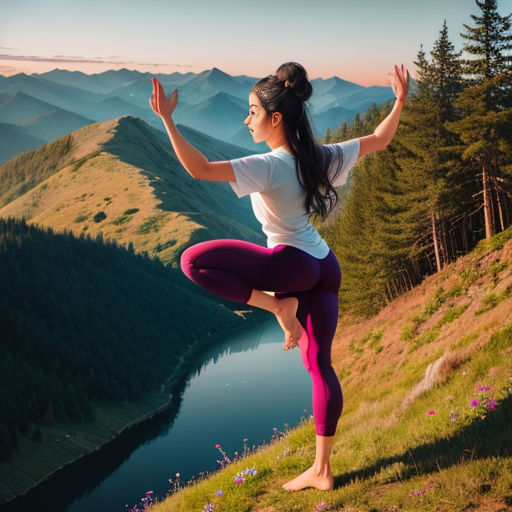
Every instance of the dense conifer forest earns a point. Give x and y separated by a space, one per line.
445 180
84 318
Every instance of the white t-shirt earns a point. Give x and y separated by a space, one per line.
277 196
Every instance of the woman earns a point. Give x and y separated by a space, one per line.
286 185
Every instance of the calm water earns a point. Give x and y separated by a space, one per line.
242 388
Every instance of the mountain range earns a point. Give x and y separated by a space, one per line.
39 108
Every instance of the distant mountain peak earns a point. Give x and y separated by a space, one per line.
218 72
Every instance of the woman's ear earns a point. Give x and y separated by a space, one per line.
276 118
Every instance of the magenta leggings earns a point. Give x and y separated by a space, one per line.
232 268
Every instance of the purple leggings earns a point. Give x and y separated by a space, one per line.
232 268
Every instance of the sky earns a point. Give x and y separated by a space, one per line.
356 40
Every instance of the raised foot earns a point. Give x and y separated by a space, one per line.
286 316
311 478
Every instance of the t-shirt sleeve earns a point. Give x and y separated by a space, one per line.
252 173
346 152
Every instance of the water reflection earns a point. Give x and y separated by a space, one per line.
242 386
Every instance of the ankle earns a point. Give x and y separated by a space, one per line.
322 469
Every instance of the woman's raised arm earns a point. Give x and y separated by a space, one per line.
191 158
386 130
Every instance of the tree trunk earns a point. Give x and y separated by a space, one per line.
435 240
488 214
500 210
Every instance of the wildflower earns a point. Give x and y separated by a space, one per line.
217 446
321 507
149 493
219 492
423 491
430 413
483 388
453 415
209 507
239 479
474 403
492 404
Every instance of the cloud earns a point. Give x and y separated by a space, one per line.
69 57
95 60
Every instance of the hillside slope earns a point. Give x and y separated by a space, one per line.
122 178
427 414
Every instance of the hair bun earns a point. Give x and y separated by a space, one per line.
297 78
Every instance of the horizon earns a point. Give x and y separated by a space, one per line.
170 73
358 42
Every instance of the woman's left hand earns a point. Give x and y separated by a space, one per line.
399 82
160 104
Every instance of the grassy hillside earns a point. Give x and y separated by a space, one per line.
122 178
427 418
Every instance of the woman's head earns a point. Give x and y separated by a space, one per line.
276 104
278 115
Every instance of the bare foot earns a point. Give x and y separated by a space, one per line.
288 321
322 480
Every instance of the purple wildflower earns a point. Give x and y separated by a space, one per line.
423 491
209 507
474 403
321 507
219 492
430 413
492 404
483 388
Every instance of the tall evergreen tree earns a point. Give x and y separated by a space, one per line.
424 155
446 73
490 40
485 107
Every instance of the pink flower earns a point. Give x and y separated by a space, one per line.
430 413
424 490
474 403
492 404
483 388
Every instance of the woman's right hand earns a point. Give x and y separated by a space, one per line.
399 81
160 104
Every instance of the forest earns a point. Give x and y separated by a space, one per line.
445 180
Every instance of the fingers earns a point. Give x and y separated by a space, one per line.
152 101
158 91
400 72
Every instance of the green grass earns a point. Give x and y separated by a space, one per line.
495 268
493 299
153 223
122 219
381 456
465 340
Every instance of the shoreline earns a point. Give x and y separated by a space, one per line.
179 372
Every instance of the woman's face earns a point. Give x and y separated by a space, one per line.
258 121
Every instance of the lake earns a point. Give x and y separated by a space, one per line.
245 387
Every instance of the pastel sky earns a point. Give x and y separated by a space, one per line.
357 40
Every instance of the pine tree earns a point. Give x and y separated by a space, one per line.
490 40
423 71
485 107
487 137
446 73
424 155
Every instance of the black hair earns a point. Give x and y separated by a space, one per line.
311 163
